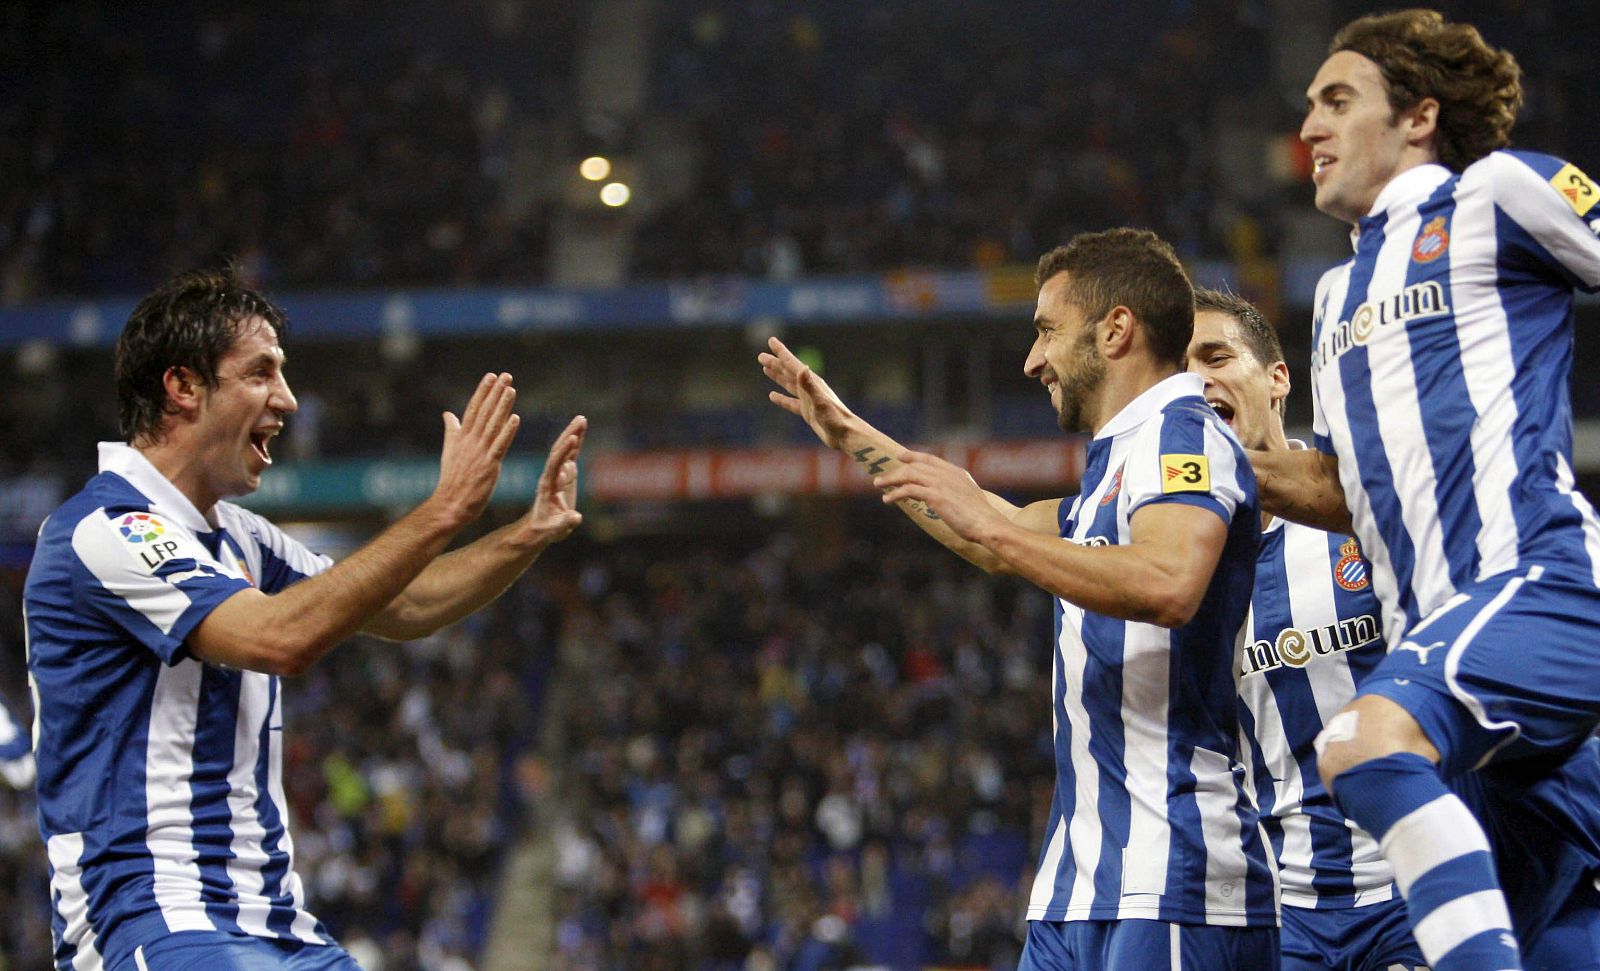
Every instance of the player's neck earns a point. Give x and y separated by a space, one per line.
1125 381
1274 441
184 467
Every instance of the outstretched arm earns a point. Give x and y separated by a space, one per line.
461 581
1159 577
283 633
1302 486
809 397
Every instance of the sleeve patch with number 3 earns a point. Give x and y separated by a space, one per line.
1576 188
1185 473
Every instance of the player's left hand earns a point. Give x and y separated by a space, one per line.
944 488
555 503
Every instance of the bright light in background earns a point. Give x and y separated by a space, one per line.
594 168
615 194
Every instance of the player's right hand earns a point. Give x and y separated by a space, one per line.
809 396
474 446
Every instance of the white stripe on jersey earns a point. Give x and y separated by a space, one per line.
72 901
169 766
1328 399
1146 693
1217 801
1485 336
1591 522
1083 833
250 859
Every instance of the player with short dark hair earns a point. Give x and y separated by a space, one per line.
1153 856
160 617
1441 354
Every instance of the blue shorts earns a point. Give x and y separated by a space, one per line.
1146 945
1508 668
218 951
1376 937
1570 942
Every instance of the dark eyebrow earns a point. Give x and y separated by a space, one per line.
1207 347
1331 89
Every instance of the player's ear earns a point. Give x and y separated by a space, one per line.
1116 332
184 390
1422 122
1279 374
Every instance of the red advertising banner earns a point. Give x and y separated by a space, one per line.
1045 464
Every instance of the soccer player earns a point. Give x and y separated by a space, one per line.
1441 356
16 752
1154 856
1313 634
160 618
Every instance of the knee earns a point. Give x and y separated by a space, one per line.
1368 728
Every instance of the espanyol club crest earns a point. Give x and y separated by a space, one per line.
1351 570
141 527
1432 242
1116 487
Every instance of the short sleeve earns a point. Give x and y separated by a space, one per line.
151 577
1187 458
1555 204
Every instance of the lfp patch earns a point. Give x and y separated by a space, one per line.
1351 570
141 527
1576 188
1432 243
1185 473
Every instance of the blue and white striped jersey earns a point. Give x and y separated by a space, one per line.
1314 634
160 784
1151 816
1439 371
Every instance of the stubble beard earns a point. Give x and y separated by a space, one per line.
1089 370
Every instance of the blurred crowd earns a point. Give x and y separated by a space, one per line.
801 757
319 144
837 137
410 772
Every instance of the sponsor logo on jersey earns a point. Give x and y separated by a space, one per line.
141 527
1432 242
1576 188
1351 570
1185 473
1116 487
1420 301
1296 648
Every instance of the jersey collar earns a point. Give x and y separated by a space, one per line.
130 463
1151 401
1409 187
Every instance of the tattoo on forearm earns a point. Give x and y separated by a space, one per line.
865 457
874 463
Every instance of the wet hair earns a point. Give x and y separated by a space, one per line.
1421 55
190 322
1131 268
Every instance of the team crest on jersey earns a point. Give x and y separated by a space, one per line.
1432 242
141 527
1116 487
1351 570
1185 473
1576 188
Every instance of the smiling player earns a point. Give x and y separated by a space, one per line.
1443 430
160 616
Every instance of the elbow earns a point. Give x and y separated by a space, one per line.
1173 609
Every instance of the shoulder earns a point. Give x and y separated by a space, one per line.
1525 177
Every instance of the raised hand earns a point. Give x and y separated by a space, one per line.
808 395
474 446
555 514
